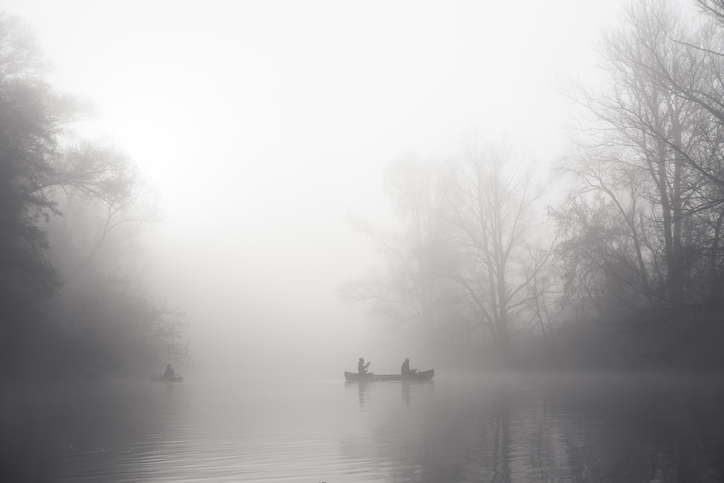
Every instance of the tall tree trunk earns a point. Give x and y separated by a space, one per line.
677 268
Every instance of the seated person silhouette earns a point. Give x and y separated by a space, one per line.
169 372
405 370
362 367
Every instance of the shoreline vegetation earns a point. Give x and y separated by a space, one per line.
622 268
486 268
73 302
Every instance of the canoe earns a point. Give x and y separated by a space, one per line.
160 378
415 376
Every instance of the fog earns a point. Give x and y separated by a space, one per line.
265 125
211 211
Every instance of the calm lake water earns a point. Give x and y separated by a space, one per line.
494 429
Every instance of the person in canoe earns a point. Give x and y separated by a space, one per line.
362 367
405 370
169 372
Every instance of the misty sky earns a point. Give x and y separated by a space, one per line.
262 124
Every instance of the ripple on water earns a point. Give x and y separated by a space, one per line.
494 429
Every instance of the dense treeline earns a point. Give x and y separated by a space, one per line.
628 269
71 297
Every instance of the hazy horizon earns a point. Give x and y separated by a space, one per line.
264 124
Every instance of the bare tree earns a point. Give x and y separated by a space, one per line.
410 287
643 218
648 154
493 203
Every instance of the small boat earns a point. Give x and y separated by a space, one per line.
161 378
413 376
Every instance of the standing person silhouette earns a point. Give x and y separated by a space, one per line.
362 367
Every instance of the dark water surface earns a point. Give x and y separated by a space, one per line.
495 429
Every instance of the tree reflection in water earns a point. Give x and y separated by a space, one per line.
504 429
492 429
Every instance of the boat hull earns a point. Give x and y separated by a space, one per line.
167 379
417 376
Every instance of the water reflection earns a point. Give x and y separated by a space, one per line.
81 429
552 429
493 429
406 387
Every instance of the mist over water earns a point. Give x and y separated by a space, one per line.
523 428
524 198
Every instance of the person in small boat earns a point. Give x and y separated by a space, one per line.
362 367
405 370
169 372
